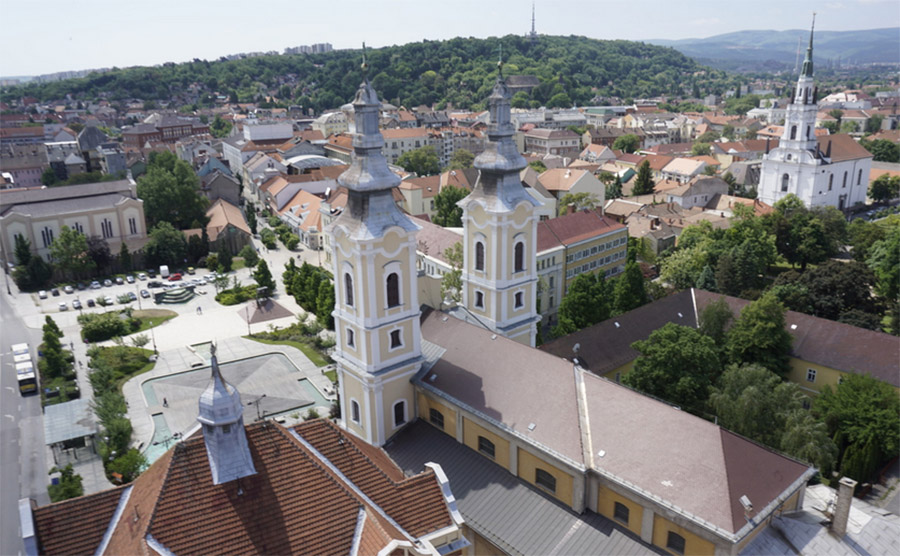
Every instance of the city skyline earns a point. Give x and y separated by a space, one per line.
179 32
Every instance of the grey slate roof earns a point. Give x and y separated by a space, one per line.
505 510
68 193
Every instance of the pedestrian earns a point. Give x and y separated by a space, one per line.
165 402
200 310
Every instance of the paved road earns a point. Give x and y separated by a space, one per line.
23 468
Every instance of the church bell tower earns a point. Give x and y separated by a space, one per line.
500 231
376 314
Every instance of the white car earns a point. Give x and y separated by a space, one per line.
42 294
142 276
63 306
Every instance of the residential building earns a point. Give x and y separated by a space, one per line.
302 214
419 193
218 185
562 181
331 123
25 163
683 170
109 210
697 192
227 227
165 128
400 141
551 141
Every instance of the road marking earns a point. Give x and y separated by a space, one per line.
10 417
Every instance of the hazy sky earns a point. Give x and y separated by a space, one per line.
45 36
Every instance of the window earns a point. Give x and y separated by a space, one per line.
132 226
519 300
545 479
551 282
354 411
479 255
845 180
519 257
620 513
348 289
396 340
808 134
785 180
479 300
47 236
226 429
806 404
810 375
351 340
79 228
859 178
793 132
830 181
551 301
436 418
675 543
486 447
399 413
393 289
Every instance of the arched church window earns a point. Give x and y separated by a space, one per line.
785 180
393 290
845 180
399 413
479 255
808 133
859 178
354 411
793 132
348 289
519 256
830 181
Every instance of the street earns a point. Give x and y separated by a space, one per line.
23 468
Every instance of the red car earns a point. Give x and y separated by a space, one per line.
175 277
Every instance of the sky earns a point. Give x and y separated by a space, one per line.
48 36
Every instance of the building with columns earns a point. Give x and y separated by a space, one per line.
821 171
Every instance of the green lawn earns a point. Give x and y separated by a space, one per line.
153 317
308 351
126 362
332 376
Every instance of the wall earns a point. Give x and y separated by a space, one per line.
471 432
606 502
693 544
426 404
528 463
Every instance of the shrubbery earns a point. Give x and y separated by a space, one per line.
267 236
97 327
237 295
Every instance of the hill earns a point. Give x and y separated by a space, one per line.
777 50
458 71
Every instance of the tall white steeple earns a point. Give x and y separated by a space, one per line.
221 414
376 302
500 231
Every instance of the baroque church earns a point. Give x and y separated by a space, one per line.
457 436
823 171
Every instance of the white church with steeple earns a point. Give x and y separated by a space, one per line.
829 170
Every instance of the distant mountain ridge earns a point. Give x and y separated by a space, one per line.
767 50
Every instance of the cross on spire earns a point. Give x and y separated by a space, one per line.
500 60
365 65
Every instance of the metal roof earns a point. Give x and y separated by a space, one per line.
506 510
69 420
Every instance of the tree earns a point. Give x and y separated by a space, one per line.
709 136
884 260
54 362
263 278
251 221
422 162
700 149
325 304
51 327
807 439
800 236
682 268
582 200
759 336
170 191
643 183
714 319
125 261
559 100
250 256
586 302
537 166
22 250
629 290
165 245
753 401
863 416
614 189
861 235
677 364
451 282
627 143
225 257
883 150
447 213
49 177
128 465
69 252
873 124
707 279
884 188
835 287
461 160
69 485
98 249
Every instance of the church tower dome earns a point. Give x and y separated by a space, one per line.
500 232
222 417
376 311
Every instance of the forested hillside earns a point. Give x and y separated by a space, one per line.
572 70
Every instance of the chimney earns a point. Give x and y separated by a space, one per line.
842 506
570 208
828 150
767 145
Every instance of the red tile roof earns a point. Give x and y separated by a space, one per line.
573 228
76 526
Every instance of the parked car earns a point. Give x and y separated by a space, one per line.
145 294
151 272
55 292
91 303
191 270
69 289
107 283
142 276
81 286
175 277
76 305
95 285
154 284
132 296
42 294
63 306
109 300
119 280
129 279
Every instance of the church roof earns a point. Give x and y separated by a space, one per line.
315 490
843 147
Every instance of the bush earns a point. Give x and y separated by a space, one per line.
97 327
291 241
267 236
212 261
237 295
273 221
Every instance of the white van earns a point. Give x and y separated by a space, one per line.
163 271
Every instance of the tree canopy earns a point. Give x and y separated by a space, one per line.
170 191
422 162
759 336
165 245
447 213
643 183
627 143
